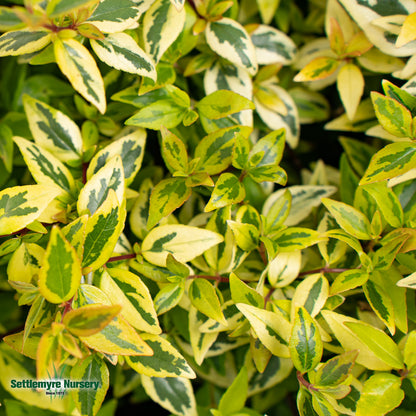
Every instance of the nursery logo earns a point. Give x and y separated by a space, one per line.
54 387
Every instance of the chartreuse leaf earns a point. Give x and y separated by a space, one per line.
393 160
272 328
304 403
381 394
400 95
162 24
53 130
175 394
350 84
168 297
319 68
322 406
44 166
20 42
235 396
223 103
228 190
120 51
349 219
230 40
91 370
167 195
350 279
78 65
409 353
336 370
90 319
215 151
30 346
126 289
60 275
379 342
182 241
130 147
102 232
166 361
204 297
331 250
392 115
25 263
381 303
97 188
305 343
140 211
242 293
350 341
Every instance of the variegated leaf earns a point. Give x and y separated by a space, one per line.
162 24
380 303
336 370
126 289
350 219
120 51
112 17
272 46
166 361
215 151
246 235
392 115
167 195
272 328
285 115
230 40
174 394
228 190
350 279
60 274
53 130
9 19
21 205
311 294
97 188
168 297
45 167
78 65
93 371
74 232
20 42
140 210
129 145
318 69
90 319
102 232
393 160
295 238
366 13
242 293
305 343
284 268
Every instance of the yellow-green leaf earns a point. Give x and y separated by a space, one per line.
20 42
60 274
408 31
90 319
350 84
319 68
182 241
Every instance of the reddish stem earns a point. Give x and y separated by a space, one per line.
217 278
269 295
22 232
123 257
304 382
84 172
324 270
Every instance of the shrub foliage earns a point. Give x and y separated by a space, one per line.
164 228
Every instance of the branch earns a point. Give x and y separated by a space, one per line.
326 270
217 278
122 257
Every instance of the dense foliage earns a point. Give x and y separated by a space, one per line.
178 223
